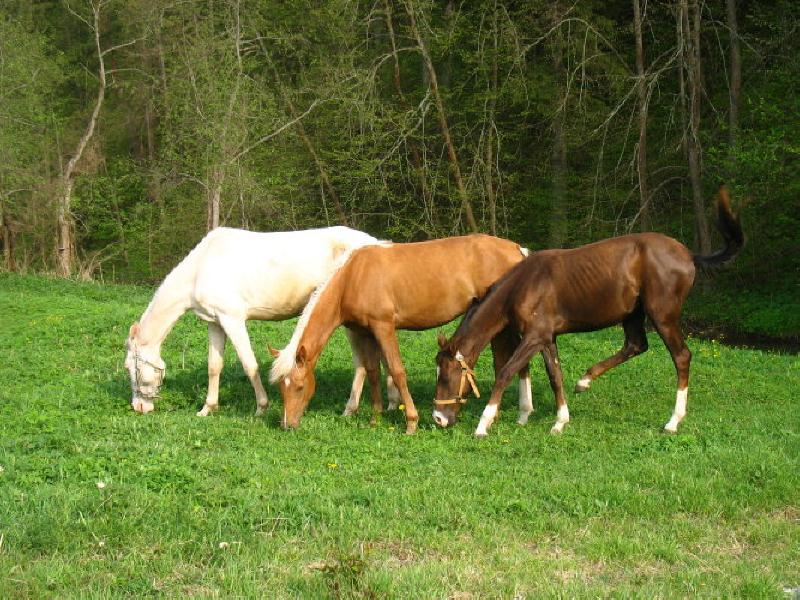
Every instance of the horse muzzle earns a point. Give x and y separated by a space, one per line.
142 406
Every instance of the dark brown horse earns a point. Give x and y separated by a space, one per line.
619 280
381 288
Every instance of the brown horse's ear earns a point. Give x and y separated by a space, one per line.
275 353
301 357
134 330
442 340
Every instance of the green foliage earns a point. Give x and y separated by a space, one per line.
96 500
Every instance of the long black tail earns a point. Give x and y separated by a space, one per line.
731 229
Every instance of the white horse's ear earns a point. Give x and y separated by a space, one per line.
134 330
274 351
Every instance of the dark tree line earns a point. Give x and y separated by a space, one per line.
128 129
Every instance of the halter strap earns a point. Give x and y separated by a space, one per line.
467 374
138 358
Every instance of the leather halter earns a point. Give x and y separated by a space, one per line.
467 374
138 358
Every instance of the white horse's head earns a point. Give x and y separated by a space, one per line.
146 370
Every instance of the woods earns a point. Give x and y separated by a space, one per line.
129 129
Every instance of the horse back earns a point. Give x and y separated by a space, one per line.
599 284
423 284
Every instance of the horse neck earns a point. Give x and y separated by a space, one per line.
170 301
322 321
477 330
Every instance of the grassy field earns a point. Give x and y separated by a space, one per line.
98 501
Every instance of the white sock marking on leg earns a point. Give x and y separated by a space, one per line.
562 418
584 383
487 418
679 412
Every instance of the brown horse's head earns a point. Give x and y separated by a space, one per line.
296 388
454 379
146 371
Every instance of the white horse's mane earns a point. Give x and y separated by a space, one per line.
285 361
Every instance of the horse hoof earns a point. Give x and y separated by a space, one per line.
348 412
481 435
556 430
411 428
260 411
522 420
669 431
582 385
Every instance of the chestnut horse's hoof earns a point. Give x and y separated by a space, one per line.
411 428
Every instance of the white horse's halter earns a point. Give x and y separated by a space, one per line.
138 358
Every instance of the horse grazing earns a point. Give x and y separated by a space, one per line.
232 276
379 289
619 280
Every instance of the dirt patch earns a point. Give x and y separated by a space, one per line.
741 339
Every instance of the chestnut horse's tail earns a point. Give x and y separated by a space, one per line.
731 229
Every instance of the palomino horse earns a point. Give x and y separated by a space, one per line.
379 289
229 277
619 280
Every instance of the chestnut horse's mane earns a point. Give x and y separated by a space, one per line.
285 361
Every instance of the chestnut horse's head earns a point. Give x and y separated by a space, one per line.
454 379
146 370
296 387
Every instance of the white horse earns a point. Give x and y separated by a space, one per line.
232 276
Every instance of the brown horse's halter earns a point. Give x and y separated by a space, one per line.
137 358
467 374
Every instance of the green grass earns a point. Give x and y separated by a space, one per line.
232 505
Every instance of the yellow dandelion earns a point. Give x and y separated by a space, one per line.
402 407
333 466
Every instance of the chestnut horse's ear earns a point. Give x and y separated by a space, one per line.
300 358
134 330
442 340
275 352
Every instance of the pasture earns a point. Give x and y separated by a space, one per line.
98 501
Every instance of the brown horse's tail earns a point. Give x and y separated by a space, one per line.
731 229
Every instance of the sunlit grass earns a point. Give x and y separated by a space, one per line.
98 500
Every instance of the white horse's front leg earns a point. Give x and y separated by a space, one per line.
237 332
216 350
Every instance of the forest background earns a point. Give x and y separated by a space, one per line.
129 129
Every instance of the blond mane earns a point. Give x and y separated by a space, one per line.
285 361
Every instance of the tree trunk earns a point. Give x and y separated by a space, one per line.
692 36
416 156
8 239
558 156
66 243
736 77
641 150
466 204
491 195
327 185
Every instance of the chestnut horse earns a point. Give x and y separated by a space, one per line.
379 289
619 280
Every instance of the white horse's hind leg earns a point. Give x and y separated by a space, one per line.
216 349
359 375
237 332
525 398
392 393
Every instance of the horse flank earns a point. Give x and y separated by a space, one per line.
285 361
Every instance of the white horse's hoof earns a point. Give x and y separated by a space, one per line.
349 412
261 410
481 434
206 410
523 420
557 429
670 430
